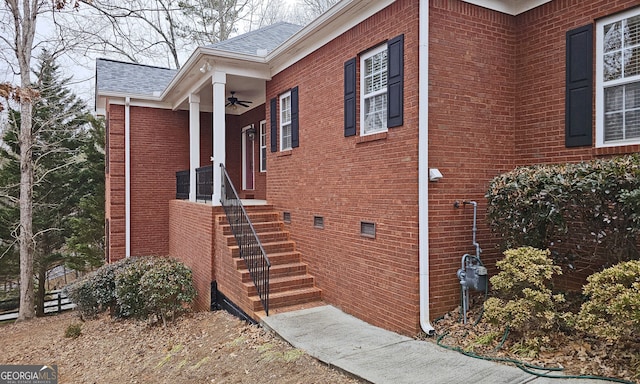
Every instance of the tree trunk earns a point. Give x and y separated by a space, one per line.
27 309
24 17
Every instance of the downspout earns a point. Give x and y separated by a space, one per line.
423 166
127 176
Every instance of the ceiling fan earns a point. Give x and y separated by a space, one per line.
233 101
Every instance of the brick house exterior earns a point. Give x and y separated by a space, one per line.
484 86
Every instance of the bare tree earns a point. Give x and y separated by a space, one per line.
210 21
308 10
317 7
136 30
18 20
266 12
153 31
22 17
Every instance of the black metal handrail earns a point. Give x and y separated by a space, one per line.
204 182
182 185
251 250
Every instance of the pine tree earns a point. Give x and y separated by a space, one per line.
61 154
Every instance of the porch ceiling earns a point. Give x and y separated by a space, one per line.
245 88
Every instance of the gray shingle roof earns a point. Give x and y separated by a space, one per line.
131 78
146 80
268 38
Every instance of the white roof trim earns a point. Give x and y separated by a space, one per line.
341 17
511 7
204 53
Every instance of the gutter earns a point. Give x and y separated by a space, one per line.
423 166
127 176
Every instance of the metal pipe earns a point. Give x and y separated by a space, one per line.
475 228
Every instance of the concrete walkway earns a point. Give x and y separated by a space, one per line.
380 356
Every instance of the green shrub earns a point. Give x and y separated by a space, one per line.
613 309
136 287
131 303
96 292
581 211
167 287
104 284
82 294
524 300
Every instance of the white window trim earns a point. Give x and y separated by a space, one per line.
363 57
283 122
600 83
263 145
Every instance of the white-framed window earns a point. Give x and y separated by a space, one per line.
285 121
618 79
263 146
373 91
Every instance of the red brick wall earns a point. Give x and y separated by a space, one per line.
159 148
114 184
472 73
540 113
191 240
346 182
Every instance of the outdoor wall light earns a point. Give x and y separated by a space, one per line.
251 133
434 174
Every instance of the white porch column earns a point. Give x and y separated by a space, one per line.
194 143
219 81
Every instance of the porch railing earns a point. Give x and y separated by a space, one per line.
182 185
251 250
204 183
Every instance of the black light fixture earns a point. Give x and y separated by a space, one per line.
251 132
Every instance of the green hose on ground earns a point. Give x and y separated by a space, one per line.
526 367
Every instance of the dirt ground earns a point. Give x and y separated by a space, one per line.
209 347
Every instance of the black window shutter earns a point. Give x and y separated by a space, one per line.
350 98
274 125
579 87
295 131
395 81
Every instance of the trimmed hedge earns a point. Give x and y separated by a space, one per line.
140 287
587 211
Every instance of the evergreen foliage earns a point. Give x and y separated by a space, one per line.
585 211
67 185
524 300
142 288
612 310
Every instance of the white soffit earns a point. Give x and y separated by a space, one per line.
511 7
